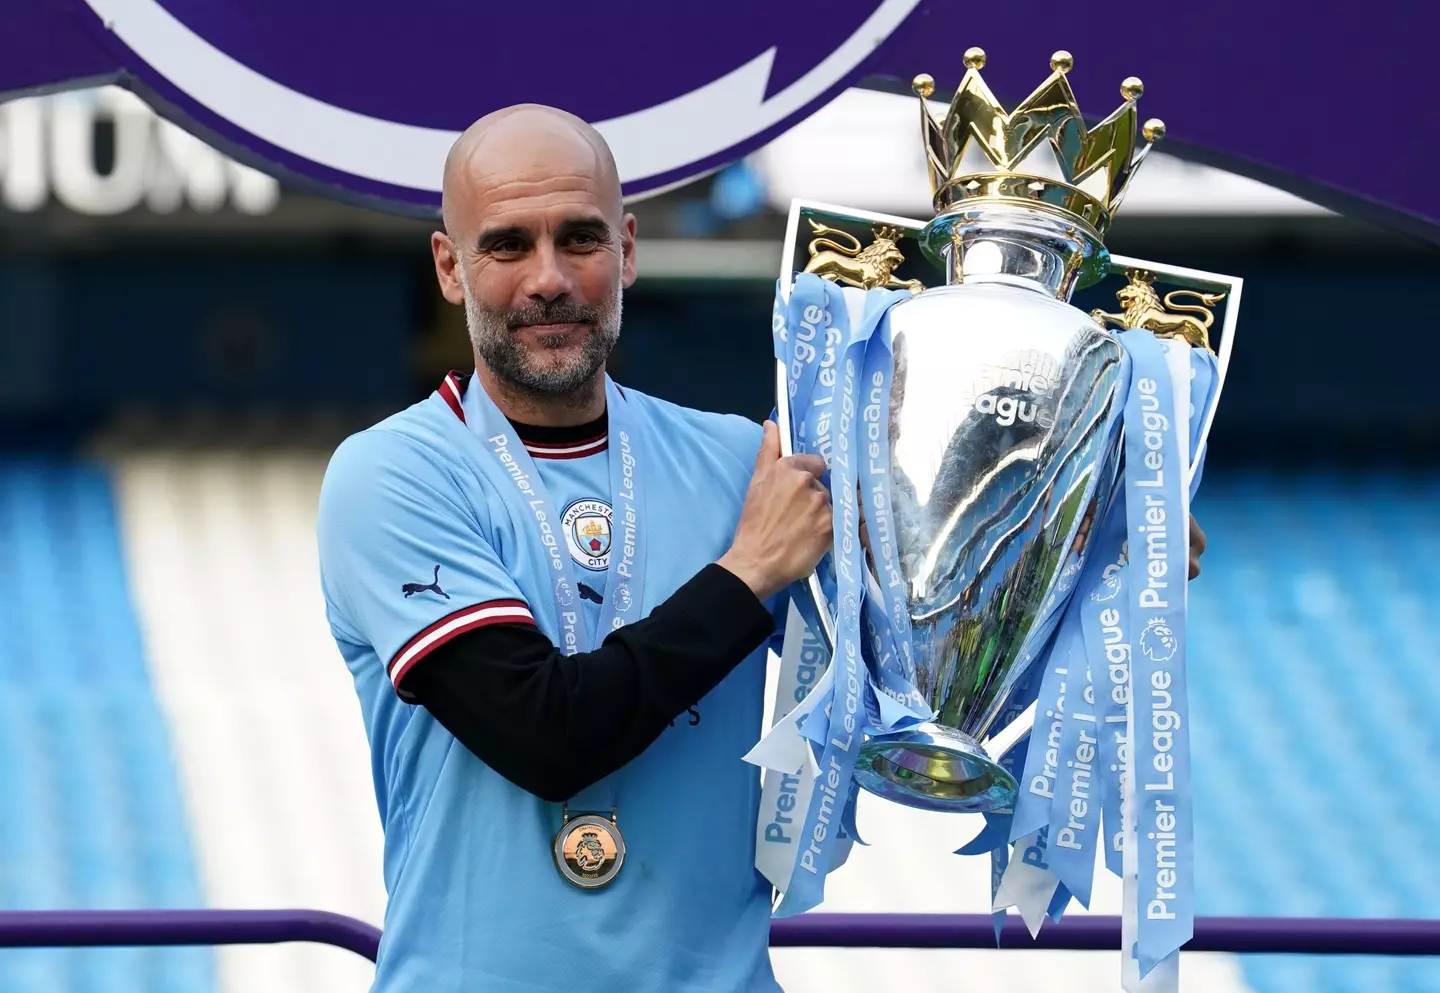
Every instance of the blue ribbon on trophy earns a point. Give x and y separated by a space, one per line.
1089 709
835 344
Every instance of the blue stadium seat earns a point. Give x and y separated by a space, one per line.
1315 695
93 815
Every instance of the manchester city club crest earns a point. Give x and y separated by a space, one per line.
587 533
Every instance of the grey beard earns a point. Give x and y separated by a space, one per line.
491 332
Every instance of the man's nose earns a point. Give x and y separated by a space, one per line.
547 277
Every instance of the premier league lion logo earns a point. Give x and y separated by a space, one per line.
564 595
589 855
1108 589
1157 642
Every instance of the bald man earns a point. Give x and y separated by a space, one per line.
555 595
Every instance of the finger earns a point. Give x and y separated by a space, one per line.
1194 567
1197 538
769 445
813 464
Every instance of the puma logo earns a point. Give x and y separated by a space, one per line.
586 593
410 589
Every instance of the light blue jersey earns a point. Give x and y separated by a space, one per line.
416 547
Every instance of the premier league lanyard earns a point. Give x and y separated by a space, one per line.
589 849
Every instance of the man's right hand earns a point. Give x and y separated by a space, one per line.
785 526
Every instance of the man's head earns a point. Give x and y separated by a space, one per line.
536 247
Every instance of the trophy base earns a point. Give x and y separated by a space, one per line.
931 767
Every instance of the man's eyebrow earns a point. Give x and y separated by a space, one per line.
589 225
490 237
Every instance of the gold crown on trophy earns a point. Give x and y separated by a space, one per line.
1039 154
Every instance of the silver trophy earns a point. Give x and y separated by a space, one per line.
1006 403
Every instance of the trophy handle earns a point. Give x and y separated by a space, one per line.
812 582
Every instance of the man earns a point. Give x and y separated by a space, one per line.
441 588
487 558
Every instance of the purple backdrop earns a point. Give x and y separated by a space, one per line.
1308 96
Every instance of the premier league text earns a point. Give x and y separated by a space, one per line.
811 321
1081 765
1043 783
1157 821
833 781
1117 662
569 619
628 522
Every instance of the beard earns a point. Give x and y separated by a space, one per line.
492 334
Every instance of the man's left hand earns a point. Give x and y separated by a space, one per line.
1197 546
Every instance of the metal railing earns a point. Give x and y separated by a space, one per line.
1306 935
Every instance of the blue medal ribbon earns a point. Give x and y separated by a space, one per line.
514 475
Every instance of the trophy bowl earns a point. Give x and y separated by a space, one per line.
1005 429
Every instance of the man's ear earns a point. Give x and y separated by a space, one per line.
448 269
627 248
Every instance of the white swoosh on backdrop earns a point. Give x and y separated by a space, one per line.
649 142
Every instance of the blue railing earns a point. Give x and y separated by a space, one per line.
1307 935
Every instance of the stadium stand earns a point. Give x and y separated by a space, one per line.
93 812
272 753
214 717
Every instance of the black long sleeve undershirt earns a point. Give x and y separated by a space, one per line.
554 724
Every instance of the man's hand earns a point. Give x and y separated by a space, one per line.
785 525
1197 546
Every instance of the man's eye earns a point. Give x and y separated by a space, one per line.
507 247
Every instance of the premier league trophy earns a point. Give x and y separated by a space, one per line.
984 436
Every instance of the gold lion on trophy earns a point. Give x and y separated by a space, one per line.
1144 309
869 268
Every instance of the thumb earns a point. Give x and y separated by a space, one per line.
769 446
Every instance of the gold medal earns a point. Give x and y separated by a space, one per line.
589 850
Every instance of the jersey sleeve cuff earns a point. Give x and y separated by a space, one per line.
452 626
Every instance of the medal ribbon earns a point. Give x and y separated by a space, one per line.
514 474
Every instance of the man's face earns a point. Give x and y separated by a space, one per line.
540 259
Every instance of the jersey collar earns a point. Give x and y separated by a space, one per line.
541 442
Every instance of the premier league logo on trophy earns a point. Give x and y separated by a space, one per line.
984 435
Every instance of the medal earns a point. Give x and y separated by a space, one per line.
589 850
